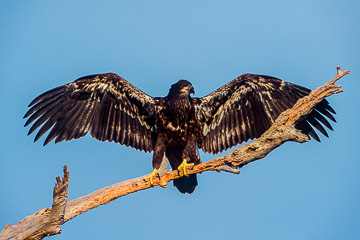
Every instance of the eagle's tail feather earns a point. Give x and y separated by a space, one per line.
186 184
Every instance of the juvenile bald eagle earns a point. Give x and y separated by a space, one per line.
175 126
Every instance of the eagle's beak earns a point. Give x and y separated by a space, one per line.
192 90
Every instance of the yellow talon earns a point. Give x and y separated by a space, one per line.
153 174
182 167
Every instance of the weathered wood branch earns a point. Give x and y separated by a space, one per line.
48 221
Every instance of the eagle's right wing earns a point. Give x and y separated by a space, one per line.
106 104
247 106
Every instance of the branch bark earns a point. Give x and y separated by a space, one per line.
48 221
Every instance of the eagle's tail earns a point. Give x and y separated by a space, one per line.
186 184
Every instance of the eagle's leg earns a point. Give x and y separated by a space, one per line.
190 154
158 161
153 174
182 167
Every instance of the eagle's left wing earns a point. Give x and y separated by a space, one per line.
105 104
246 107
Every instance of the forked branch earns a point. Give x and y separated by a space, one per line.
48 221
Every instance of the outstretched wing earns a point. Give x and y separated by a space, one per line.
106 104
246 107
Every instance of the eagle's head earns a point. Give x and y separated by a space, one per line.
182 88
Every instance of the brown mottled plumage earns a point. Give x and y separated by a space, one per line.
174 126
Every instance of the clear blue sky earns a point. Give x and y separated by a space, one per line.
299 191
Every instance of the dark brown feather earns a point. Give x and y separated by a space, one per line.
258 100
107 105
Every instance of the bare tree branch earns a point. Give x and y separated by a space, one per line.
48 221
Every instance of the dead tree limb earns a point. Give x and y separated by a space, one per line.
48 221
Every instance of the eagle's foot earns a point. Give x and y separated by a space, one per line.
150 177
182 167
